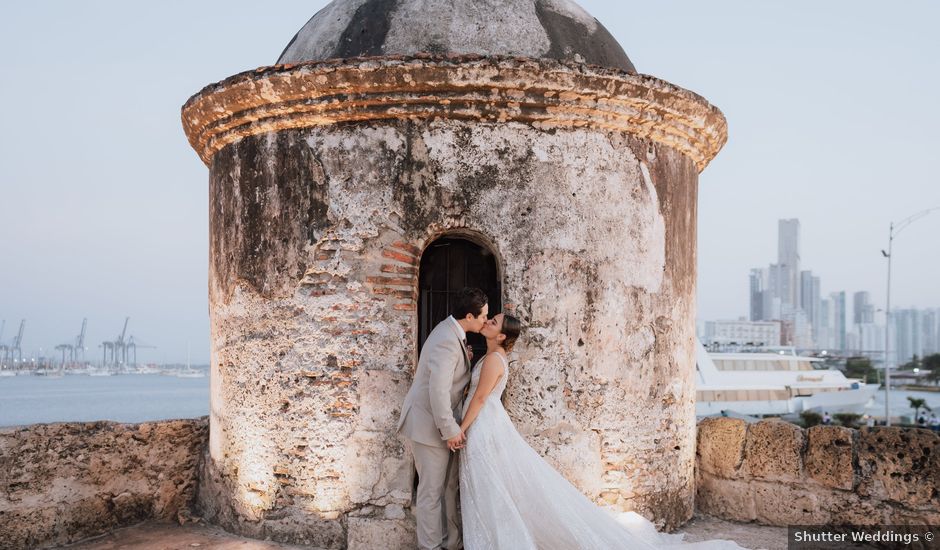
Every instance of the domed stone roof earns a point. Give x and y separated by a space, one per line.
556 29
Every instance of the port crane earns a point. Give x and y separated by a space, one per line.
76 348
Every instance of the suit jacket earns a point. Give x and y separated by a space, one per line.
432 406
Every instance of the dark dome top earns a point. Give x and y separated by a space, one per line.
556 29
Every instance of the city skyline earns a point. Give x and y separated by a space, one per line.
106 206
782 313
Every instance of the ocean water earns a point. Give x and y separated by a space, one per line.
121 397
142 397
899 404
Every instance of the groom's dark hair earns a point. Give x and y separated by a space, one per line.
468 300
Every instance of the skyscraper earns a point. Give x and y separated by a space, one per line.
758 281
863 311
824 339
931 329
838 313
810 301
788 258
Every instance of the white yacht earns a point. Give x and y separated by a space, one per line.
773 383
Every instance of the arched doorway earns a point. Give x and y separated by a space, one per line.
448 265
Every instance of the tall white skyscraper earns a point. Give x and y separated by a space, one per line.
931 330
863 311
824 337
871 340
758 284
810 300
838 314
788 258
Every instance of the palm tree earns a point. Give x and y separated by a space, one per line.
917 404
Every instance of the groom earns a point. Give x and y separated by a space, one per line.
430 414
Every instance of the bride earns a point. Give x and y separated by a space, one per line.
510 498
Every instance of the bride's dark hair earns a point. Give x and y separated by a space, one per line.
511 328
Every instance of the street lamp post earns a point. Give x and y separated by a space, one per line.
893 231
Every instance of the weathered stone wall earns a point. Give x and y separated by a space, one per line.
777 473
315 240
327 182
66 481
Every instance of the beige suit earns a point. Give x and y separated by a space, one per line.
429 417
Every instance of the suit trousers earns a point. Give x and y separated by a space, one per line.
436 503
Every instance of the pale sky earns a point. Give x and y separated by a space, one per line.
832 110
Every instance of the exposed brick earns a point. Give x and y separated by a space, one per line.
390 281
403 258
389 268
409 248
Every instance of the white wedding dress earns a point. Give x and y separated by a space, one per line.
511 499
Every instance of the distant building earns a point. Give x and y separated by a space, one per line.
810 302
825 325
871 340
758 284
931 331
742 332
838 317
863 311
796 330
788 260
907 339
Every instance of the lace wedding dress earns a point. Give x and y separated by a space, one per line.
511 499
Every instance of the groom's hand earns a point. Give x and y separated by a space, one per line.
457 442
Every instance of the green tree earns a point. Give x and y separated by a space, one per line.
932 364
811 418
849 420
860 367
917 404
912 364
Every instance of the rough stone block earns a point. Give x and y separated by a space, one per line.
781 504
381 394
376 468
829 459
851 509
726 499
391 534
720 446
773 450
67 481
899 464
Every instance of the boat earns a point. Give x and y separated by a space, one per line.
189 371
761 383
52 373
148 369
99 372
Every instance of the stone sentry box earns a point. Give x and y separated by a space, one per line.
518 125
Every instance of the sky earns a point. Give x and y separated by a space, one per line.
832 112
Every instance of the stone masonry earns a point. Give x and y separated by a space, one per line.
329 178
776 473
62 482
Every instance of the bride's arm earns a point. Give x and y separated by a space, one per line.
492 370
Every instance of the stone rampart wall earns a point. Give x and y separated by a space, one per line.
63 482
777 473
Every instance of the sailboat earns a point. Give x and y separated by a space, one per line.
189 371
